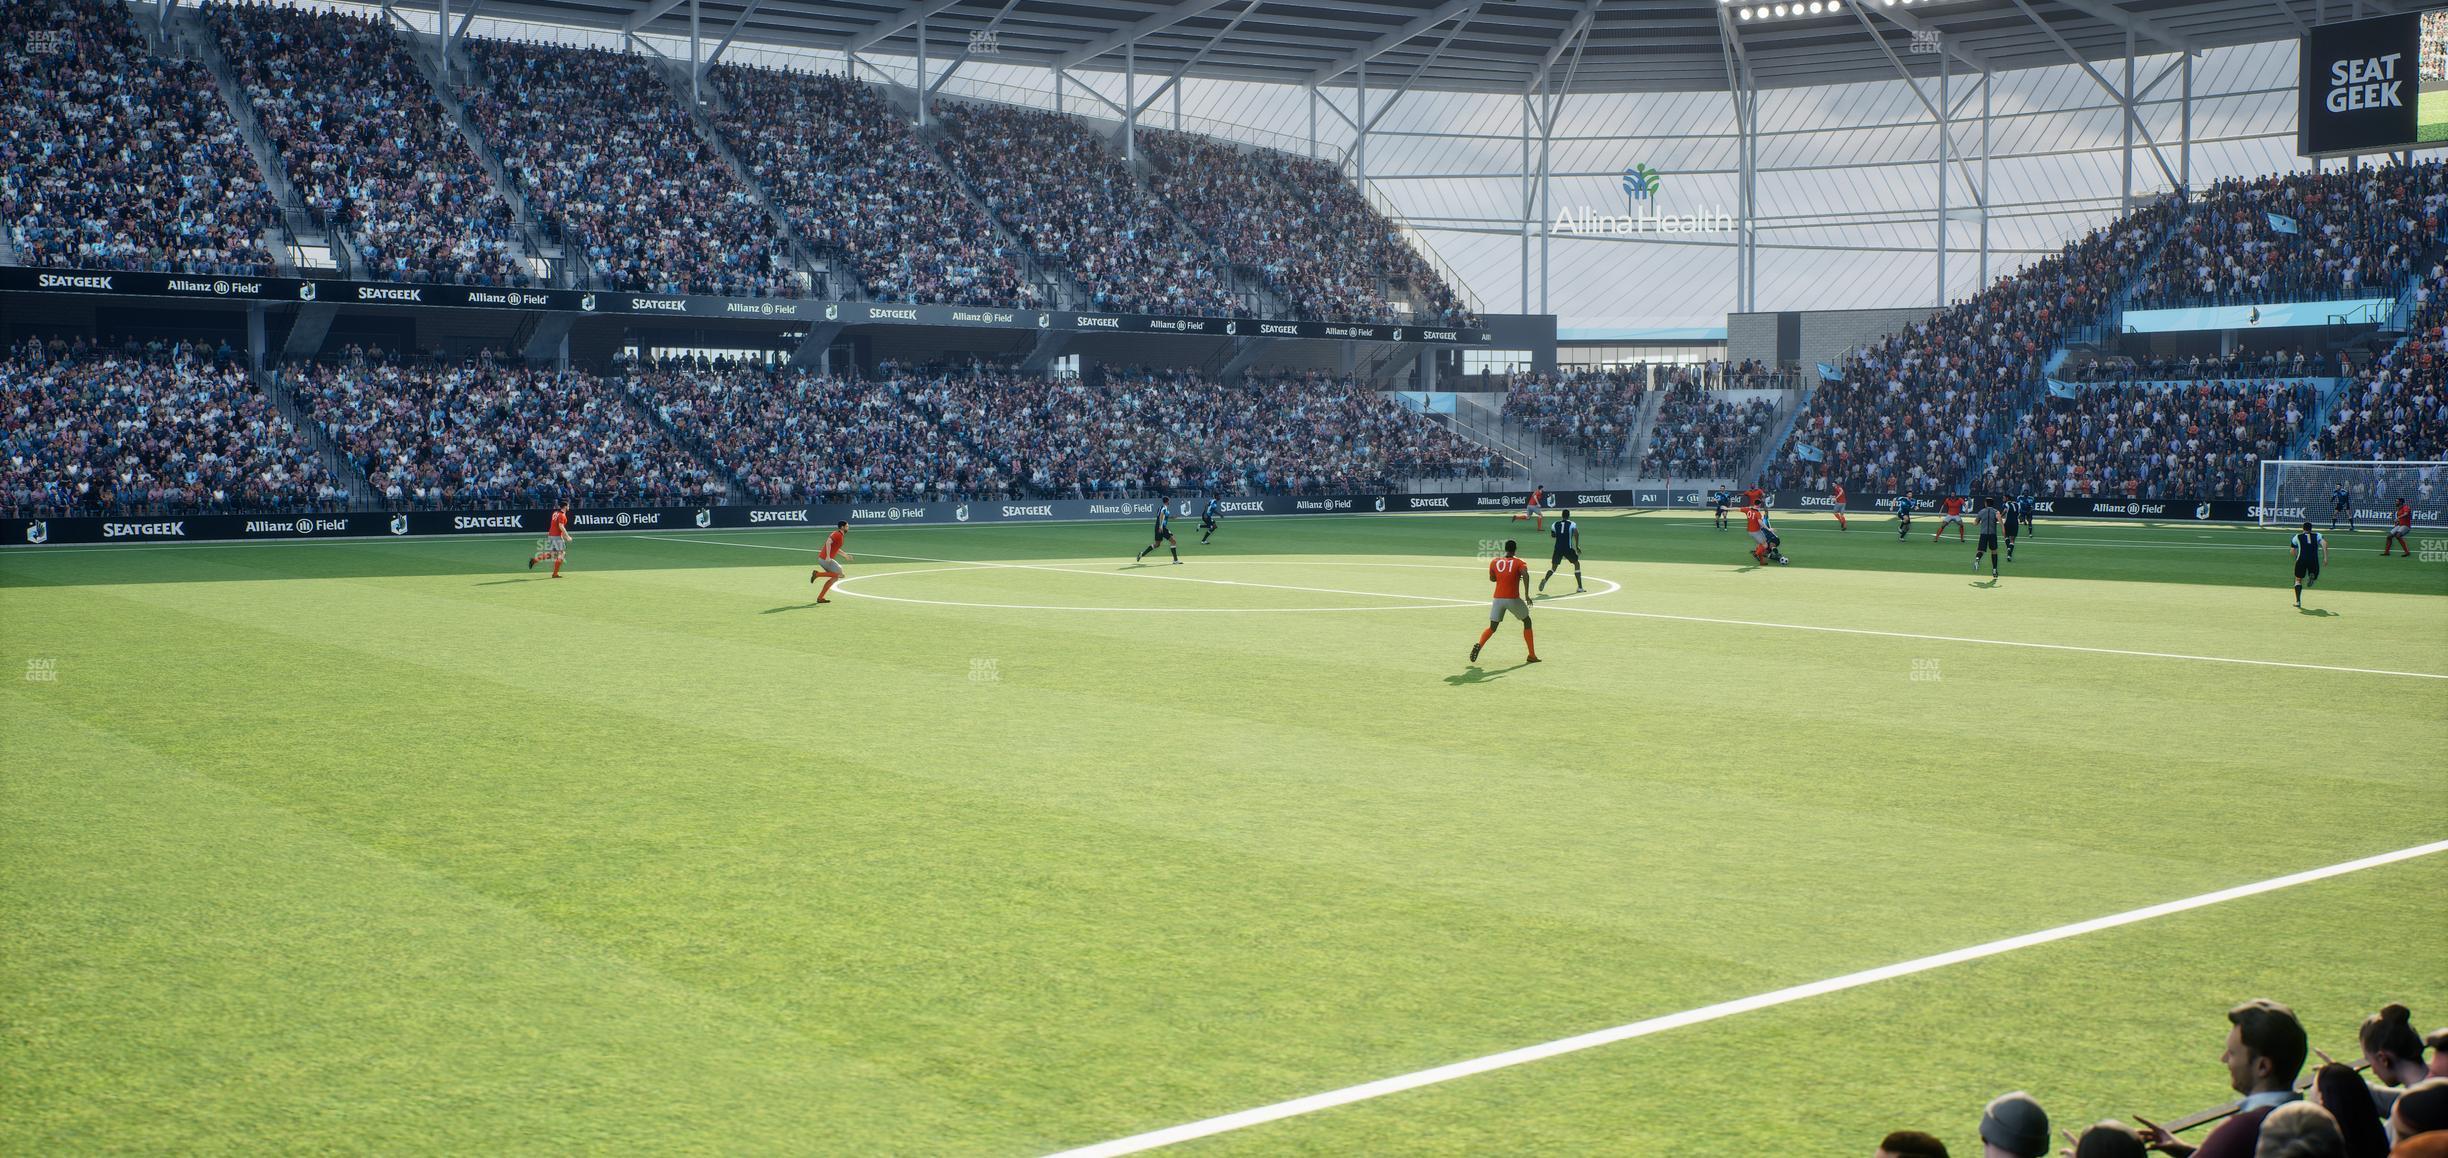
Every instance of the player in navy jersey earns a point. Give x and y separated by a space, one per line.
1207 520
2341 506
1164 533
1903 514
2310 551
1567 536
1722 500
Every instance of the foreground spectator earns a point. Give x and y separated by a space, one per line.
2266 1047
2300 1130
1910 1144
2110 1139
2421 1109
2361 1123
113 158
2014 1126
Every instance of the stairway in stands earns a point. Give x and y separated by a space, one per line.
188 38
1054 284
568 267
826 278
275 387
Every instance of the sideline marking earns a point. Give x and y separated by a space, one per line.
1496 1061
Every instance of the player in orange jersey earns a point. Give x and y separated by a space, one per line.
1531 509
1507 574
556 541
1764 541
1951 512
1836 500
830 559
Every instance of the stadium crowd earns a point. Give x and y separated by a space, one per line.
114 158
480 433
2204 440
1072 201
1702 433
2397 408
1918 411
1159 432
857 184
2196 368
2391 1103
365 143
2302 237
612 163
1239 200
147 429
1330 198
1592 412
792 435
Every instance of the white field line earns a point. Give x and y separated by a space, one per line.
1585 609
1445 1073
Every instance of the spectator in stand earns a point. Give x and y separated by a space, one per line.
2301 237
2361 1123
1321 254
1698 435
790 435
154 429
857 184
2266 1048
2437 1043
2110 1139
2421 1109
1918 411
366 144
2014 1126
2392 1051
2396 409
113 158
2143 442
1066 195
482 433
1910 1144
613 164
2196 368
1330 196
1592 412
2300 1130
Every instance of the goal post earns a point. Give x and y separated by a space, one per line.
2293 490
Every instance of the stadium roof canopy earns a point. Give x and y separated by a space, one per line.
1486 46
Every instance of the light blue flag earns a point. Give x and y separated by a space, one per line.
2283 223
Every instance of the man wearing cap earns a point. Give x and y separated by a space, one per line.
2014 1126
2265 1050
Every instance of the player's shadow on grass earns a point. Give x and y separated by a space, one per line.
1480 675
2316 612
787 607
514 579
1986 583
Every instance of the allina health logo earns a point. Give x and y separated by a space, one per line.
1642 213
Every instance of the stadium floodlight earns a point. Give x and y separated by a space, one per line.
2293 490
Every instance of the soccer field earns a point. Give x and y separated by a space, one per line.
1014 846
2431 115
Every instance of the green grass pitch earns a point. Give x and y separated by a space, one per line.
395 845
2431 114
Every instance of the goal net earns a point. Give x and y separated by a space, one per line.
2293 490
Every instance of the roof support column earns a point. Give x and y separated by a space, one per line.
1360 123
1988 81
1546 185
2128 98
1945 107
696 55
442 40
2184 144
1526 204
922 69
1130 102
1313 152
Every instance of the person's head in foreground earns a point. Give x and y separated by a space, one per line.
2110 1139
2300 1130
2422 1109
2014 1126
2391 1048
1910 1144
2337 1088
2265 1047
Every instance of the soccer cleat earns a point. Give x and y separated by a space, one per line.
1475 652
824 601
812 576
531 562
1532 659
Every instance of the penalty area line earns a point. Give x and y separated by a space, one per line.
1382 1087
